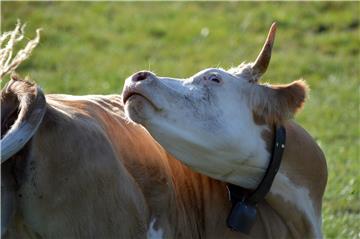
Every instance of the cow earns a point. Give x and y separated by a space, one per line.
77 167
221 123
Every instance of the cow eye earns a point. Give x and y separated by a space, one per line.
215 78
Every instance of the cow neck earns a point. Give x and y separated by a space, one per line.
243 212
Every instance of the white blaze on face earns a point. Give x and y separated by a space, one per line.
205 121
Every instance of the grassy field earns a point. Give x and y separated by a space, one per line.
93 47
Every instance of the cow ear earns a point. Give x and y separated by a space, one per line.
278 103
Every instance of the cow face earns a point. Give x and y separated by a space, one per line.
210 121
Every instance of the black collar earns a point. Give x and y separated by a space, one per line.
243 212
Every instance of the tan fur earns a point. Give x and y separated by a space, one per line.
29 101
90 173
13 93
305 165
277 103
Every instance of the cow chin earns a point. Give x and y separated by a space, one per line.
139 109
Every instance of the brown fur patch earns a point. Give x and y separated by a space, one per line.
292 96
275 104
267 134
268 137
258 119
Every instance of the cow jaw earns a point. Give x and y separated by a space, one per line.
199 125
137 107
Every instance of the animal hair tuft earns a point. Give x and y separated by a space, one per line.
9 62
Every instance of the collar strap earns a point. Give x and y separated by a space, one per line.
243 213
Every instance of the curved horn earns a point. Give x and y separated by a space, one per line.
32 107
262 61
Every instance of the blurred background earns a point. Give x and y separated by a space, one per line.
91 48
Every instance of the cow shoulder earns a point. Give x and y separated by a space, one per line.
75 179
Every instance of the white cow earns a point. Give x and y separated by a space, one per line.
220 123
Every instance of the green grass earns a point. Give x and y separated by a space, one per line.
93 47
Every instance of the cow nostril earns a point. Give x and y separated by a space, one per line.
140 76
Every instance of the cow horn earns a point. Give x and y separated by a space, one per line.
262 61
32 107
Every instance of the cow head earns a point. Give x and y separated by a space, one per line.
213 121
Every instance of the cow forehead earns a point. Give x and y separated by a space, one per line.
218 71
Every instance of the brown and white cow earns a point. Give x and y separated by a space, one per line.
75 167
220 123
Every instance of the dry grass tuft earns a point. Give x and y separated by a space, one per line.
8 63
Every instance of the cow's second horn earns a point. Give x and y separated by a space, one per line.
262 61
32 108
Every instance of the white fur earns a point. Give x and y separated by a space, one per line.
207 125
152 233
210 127
300 198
